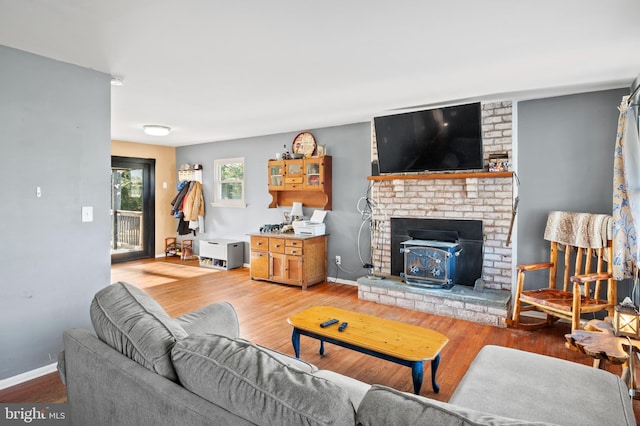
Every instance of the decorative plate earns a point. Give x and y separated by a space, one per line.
304 143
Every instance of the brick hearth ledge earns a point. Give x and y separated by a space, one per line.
488 306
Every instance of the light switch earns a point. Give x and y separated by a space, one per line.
38 192
87 214
164 185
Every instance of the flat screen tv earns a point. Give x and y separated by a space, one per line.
442 139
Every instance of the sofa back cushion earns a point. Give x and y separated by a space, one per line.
386 406
251 383
130 321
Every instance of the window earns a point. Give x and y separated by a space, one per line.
229 183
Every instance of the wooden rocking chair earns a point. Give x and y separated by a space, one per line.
586 241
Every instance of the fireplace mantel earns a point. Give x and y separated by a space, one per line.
465 175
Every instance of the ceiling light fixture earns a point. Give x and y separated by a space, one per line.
156 130
117 81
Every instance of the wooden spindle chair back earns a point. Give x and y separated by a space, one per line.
585 271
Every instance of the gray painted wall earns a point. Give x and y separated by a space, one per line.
565 162
350 148
55 133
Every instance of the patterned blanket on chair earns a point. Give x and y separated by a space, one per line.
585 230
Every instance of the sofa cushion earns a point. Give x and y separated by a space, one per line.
501 380
355 388
386 406
251 383
217 318
290 361
130 321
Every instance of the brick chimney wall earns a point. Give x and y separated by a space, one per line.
481 198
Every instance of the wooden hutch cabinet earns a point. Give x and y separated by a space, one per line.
306 180
289 259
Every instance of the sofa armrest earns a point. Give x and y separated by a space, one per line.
62 368
505 381
217 318
106 388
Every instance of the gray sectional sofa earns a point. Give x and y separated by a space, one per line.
144 368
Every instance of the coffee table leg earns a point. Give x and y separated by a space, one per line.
434 367
417 369
295 339
321 347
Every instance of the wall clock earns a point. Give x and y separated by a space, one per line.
304 143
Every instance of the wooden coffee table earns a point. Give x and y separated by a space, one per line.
405 344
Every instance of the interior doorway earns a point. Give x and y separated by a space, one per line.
132 208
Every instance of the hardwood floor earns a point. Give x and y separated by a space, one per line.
264 307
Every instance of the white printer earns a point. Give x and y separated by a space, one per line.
314 226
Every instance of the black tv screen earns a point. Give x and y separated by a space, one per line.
448 138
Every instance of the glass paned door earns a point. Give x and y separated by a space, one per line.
132 212
313 174
276 175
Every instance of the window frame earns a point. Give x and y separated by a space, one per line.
217 183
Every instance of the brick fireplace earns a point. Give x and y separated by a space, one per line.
480 197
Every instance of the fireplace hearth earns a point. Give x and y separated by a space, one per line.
488 306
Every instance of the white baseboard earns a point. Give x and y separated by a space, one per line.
28 375
341 281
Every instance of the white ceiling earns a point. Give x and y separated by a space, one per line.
216 70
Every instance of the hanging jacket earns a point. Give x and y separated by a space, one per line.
177 202
183 228
194 203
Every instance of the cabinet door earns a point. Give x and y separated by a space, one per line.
294 171
293 271
259 265
294 168
313 174
276 267
276 175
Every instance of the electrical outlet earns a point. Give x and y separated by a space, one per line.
338 260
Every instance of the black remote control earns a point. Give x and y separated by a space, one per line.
328 323
342 326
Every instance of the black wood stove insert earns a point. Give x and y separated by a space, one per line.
465 236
